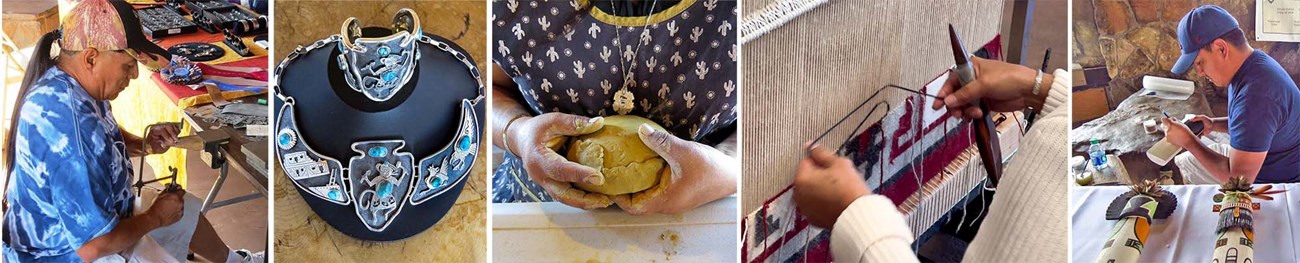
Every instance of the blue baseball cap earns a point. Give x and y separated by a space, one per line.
1198 28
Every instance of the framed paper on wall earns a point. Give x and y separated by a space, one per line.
1277 20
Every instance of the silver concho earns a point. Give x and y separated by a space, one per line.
379 66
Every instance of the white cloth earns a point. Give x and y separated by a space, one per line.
1192 170
1023 223
233 257
1188 234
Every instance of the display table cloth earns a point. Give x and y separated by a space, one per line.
1188 234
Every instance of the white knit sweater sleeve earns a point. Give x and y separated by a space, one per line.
1025 221
1058 94
871 230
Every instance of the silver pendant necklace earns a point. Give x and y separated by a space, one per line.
623 100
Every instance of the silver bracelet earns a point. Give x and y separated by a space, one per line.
1038 82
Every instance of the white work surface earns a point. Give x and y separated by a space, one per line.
554 232
1188 234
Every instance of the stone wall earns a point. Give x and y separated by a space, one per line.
1133 38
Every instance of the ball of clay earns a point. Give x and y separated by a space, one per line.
617 151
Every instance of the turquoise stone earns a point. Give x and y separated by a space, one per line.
383 51
436 182
464 143
385 189
285 139
334 194
378 151
390 76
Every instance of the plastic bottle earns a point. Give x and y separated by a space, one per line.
1096 155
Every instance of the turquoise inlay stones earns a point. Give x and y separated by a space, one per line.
378 151
334 194
436 182
383 51
464 143
385 189
286 139
390 76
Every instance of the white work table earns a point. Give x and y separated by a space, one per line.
1188 234
554 232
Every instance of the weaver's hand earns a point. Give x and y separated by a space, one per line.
1001 86
825 185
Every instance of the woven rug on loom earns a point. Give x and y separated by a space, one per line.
816 67
910 146
929 165
816 60
923 160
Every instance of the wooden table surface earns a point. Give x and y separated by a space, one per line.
238 140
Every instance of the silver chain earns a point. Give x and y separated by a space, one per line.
645 28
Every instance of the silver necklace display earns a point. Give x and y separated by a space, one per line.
378 127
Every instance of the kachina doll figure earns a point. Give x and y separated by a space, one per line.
1135 209
1236 229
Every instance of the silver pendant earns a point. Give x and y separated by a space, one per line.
624 101
379 178
380 66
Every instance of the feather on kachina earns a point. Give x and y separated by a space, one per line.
1165 201
1241 189
1240 184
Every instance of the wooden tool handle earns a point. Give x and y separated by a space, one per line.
986 141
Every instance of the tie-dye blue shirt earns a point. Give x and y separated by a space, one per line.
71 179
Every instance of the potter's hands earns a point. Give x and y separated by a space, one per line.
696 174
825 185
535 139
1178 134
1001 86
162 137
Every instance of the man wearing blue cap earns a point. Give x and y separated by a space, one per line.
1263 120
